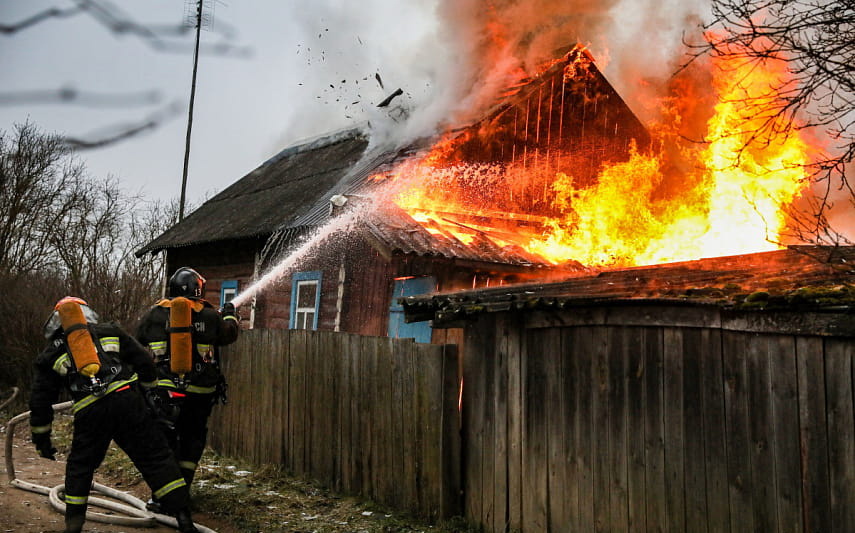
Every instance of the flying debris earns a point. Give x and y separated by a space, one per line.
377 77
388 99
358 39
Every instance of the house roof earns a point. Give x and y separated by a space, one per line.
280 190
394 229
290 194
796 278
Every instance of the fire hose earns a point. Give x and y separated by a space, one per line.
136 513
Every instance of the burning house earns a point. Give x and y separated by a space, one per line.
557 179
343 231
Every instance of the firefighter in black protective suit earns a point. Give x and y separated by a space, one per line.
184 333
111 378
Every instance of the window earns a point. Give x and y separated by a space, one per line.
305 300
228 291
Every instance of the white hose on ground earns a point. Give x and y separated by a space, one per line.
137 514
10 398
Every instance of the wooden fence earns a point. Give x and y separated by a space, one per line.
656 420
370 416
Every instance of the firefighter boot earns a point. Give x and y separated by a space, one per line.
185 521
75 515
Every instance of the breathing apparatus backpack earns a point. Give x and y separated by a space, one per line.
180 347
180 336
95 368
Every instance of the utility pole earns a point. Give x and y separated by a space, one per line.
190 115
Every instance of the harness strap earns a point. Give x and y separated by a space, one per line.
74 327
89 400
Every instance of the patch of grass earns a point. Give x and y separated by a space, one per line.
268 499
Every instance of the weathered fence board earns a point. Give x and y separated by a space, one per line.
841 432
510 339
740 482
636 405
786 437
816 497
372 416
675 494
600 434
693 434
713 413
618 510
556 432
654 430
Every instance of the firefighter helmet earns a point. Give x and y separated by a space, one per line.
186 282
53 324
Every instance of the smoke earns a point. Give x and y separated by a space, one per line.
452 57
638 44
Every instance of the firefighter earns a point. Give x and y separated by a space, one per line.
109 375
184 333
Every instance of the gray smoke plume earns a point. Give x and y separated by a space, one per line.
451 57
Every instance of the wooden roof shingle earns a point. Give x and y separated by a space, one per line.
276 193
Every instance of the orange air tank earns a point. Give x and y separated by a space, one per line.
181 342
79 340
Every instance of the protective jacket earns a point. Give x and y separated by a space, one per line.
208 329
107 407
124 361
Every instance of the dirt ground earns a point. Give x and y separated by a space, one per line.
28 512
228 497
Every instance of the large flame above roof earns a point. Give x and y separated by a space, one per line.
564 170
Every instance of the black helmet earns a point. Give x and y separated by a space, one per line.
186 282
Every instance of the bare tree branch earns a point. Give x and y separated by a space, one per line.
70 95
41 16
113 19
120 132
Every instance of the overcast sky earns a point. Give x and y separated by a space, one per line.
309 68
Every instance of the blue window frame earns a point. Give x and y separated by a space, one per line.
420 331
305 300
228 291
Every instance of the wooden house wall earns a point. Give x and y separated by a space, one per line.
216 262
366 297
369 278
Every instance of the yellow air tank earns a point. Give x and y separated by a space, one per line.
181 342
79 340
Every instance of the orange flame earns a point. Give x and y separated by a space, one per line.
731 199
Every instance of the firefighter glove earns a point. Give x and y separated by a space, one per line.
228 309
44 445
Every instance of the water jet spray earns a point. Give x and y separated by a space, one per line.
287 265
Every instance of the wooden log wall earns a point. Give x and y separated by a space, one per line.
605 426
369 416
